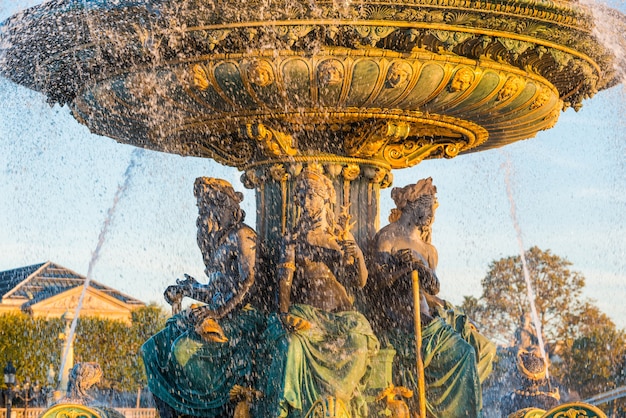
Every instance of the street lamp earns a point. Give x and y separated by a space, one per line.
28 392
9 380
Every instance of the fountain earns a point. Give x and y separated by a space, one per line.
350 90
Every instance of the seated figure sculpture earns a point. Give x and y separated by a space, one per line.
535 390
456 358
320 346
206 351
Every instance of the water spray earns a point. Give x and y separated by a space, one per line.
529 287
136 154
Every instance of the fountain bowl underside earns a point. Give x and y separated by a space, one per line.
390 83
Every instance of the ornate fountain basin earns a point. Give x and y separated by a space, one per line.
244 82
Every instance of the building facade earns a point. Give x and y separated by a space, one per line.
49 290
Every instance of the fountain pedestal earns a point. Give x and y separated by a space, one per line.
266 86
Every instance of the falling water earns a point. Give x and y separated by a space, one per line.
609 29
136 154
529 288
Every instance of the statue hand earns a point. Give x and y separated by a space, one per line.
349 249
293 323
412 259
188 282
406 256
174 294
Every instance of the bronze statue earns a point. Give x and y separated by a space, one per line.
228 248
404 245
321 262
535 390
326 345
77 402
82 377
204 351
526 335
452 377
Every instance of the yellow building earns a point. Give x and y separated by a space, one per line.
49 290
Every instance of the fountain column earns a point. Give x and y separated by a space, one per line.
357 186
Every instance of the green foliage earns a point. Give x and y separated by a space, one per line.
592 358
588 353
33 344
505 298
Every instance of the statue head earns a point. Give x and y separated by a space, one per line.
512 86
82 377
315 193
462 80
417 200
398 74
218 203
260 73
330 72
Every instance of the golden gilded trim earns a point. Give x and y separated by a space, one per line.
273 142
367 141
317 159
395 24
567 410
575 410
70 410
528 413
233 90
329 407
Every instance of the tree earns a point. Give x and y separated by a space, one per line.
592 356
505 299
32 344
588 352
116 346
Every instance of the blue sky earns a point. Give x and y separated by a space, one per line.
57 182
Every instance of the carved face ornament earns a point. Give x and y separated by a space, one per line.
462 80
200 79
260 73
510 88
330 72
398 74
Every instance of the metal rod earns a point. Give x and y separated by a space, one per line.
421 384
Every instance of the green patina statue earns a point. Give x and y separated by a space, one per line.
208 351
456 357
326 345
315 355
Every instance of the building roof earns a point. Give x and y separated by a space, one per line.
35 283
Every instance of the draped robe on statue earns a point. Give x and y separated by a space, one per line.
450 363
331 357
194 376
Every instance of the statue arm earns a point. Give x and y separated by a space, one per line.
389 267
353 257
285 271
233 288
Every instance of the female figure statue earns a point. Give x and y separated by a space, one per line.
456 358
323 346
204 352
